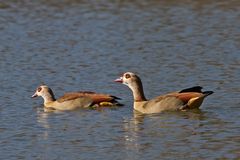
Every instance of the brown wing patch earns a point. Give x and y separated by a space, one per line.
186 96
84 92
68 97
96 97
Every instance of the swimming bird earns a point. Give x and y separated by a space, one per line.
74 100
189 98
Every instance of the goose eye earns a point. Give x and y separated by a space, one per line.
127 76
39 89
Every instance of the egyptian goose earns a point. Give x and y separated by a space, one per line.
185 99
73 100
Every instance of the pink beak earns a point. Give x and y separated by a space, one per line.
119 80
35 95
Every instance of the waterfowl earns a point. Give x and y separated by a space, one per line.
74 100
189 98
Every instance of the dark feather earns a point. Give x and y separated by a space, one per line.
206 93
192 89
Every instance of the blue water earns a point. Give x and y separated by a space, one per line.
84 45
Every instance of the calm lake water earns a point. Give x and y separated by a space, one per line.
73 45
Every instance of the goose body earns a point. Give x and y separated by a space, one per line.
74 100
189 98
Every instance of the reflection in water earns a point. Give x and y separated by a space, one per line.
132 135
42 119
140 128
79 44
138 118
171 130
195 114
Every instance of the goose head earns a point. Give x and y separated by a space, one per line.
44 91
129 79
134 83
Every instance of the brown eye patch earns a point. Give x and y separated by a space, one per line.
39 89
127 76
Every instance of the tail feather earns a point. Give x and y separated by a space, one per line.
115 97
207 93
192 89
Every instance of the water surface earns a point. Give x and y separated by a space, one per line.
75 45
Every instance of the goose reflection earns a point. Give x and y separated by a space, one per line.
140 127
133 136
42 119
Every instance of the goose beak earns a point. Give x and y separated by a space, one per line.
119 80
34 95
